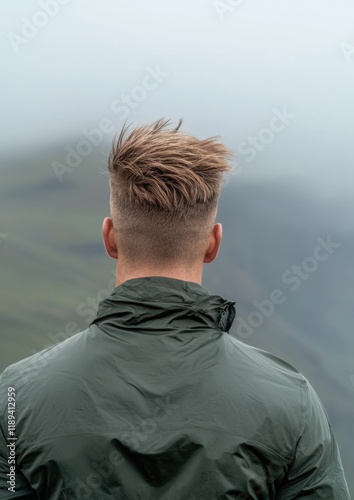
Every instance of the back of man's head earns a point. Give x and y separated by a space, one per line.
165 187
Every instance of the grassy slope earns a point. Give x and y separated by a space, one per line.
53 259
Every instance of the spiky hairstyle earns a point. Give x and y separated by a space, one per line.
165 186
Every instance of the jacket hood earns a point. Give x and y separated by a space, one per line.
155 304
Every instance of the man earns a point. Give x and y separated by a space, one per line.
155 400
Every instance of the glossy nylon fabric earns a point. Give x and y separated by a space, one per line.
155 400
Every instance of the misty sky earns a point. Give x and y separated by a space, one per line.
228 67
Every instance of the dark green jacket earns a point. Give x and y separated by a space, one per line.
155 400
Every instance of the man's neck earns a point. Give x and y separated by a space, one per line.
193 274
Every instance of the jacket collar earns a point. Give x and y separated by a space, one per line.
155 304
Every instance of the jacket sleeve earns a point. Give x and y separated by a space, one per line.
316 471
22 489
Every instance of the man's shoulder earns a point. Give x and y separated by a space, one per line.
264 359
41 365
268 374
277 396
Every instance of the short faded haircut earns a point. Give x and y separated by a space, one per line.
165 186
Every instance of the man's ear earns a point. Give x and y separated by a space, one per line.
108 238
214 244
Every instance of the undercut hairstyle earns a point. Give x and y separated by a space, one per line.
165 186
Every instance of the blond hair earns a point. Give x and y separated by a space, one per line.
165 187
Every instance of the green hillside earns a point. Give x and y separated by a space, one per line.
53 260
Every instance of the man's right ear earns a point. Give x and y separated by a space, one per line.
214 244
109 239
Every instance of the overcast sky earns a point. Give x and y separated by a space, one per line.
226 66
